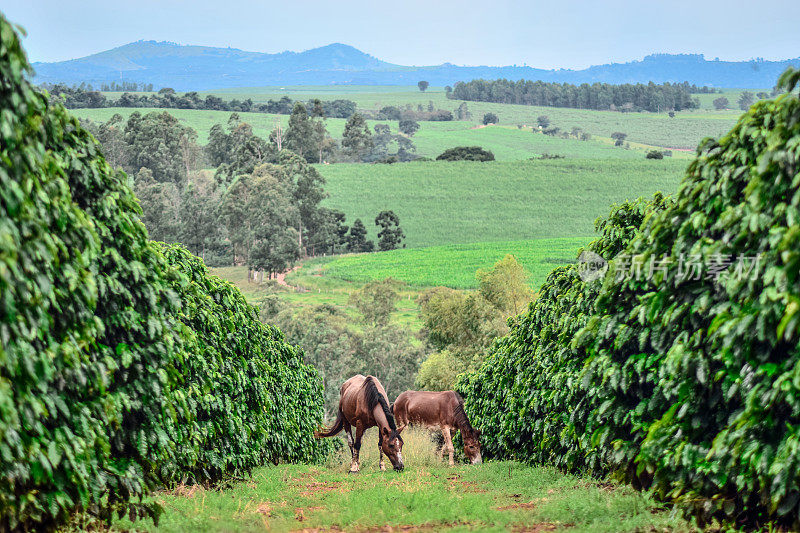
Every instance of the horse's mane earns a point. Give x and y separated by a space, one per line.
460 416
374 397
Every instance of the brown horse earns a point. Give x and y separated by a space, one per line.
363 404
439 410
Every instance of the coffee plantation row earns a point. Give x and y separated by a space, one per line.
685 385
124 366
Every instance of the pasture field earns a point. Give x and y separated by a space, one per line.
377 96
202 121
656 129
427 495
683 131
310 287
331 280
451 265
465 202
508 142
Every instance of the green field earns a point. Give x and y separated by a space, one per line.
683 131
464 202
310 287
427 495
452 265
508 142
657 129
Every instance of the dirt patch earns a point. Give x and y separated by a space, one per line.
518 505
409 528
319 487
300 512
384 529
281 278
263 509
186 491
536 528
524 505
454 482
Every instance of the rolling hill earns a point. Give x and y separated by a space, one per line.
184 68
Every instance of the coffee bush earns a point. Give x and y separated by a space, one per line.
122 369
679 369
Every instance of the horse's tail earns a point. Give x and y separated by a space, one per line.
337 426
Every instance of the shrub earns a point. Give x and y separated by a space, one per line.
522 396
721 103
408 127
466 153
692 381
685 385
439 370
87 338
105 353
547 156
654 154
490 118
230 356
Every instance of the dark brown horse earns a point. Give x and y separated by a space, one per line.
363 404
439 410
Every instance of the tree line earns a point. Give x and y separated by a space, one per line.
425 113
82 96
600 96
131 86
260 207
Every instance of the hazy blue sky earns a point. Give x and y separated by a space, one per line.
548 34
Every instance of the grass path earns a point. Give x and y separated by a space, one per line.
428 495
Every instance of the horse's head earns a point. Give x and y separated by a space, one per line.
472 445
392 445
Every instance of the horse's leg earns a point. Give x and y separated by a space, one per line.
354 467
381 464
348 430
448 444
439 446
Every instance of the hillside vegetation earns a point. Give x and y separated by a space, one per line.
464 202
116 362
684 131
452 265
340 64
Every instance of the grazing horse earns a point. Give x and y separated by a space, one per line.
439 410
363 404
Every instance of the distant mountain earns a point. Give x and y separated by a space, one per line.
187 68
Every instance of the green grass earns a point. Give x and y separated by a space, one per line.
494 496
510 143
310 287
201 121
654 129
465 202
452 265
506 141
657 129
